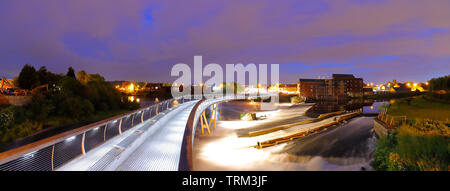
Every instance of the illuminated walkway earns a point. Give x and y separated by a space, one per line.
148 146
160 151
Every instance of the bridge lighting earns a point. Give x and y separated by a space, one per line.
30 155
70 139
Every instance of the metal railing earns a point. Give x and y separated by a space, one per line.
391 121
53 152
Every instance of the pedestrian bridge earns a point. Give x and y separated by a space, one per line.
158 137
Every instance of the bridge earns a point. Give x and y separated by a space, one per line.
158 137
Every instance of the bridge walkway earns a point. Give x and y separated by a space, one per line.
161 151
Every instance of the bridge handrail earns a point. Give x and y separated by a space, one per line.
48 144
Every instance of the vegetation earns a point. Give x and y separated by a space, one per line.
442 83
421 143
71 73
69 100
412 149
382 96
419 108
28 77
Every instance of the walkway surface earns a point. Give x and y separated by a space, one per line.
161 151
157 147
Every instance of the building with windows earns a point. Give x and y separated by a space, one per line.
339 86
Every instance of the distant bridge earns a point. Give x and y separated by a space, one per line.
158 137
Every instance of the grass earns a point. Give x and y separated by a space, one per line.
420 108
410 149
420 144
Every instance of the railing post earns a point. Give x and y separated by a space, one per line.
120 126
104 132
53 154
82 144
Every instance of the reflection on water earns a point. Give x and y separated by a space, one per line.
369 106
231 110
143 101
374 108
134 99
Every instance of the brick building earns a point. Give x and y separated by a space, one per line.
340 86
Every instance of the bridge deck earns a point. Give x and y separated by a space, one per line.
152 145
160 151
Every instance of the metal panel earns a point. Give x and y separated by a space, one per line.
112 129
94 137
40 160
127 123
137 118
67 150
147 114
161 107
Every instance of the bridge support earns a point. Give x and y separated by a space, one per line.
204 123
213 116
212 120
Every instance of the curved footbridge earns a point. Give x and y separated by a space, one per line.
159 137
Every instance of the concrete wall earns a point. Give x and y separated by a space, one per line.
15 100
380 129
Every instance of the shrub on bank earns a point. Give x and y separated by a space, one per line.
412 149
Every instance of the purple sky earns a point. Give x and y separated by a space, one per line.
407 40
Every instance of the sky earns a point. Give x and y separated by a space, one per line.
137 40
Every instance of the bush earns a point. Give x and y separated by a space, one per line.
6 117
410 149
18 131
383 149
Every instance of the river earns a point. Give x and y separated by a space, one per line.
346 147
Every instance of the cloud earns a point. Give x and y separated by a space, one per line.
141 40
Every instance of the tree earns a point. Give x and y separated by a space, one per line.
42 75
82 76
85 78
71 72
71 87
28 77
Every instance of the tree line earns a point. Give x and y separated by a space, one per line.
70 98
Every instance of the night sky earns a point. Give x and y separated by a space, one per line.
407 40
